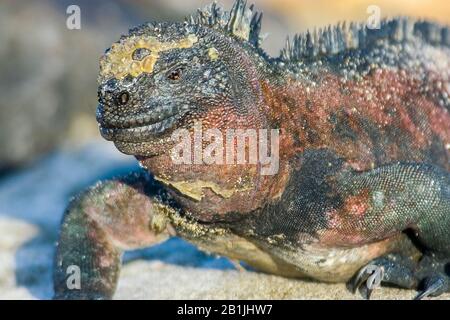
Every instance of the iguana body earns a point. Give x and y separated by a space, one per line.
364 151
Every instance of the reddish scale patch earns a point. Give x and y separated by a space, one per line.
439 121
346 224
357 205
390 102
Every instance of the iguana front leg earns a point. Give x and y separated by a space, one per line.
98 225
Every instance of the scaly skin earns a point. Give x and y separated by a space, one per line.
364 153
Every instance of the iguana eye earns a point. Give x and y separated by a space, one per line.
175 75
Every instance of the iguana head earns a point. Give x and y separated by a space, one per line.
162 77
172 76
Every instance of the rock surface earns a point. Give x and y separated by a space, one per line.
31 205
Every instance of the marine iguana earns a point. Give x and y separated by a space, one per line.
363 179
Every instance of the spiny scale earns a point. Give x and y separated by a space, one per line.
246 23
333 40
241 21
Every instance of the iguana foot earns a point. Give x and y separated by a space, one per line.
433 286
434 277
428 275
371 275
390 269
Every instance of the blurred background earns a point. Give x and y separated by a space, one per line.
50 147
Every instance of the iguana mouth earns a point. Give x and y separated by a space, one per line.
137 127
138 134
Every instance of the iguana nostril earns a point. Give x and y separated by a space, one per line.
140 53
123 98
